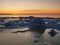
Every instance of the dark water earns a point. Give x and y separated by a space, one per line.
28 38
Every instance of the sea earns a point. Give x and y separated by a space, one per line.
54 16
7 37
28 38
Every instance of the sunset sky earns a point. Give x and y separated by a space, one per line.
30 6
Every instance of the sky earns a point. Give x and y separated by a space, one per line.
30 6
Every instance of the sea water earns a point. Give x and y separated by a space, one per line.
28 38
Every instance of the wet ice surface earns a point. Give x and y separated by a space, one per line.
28 38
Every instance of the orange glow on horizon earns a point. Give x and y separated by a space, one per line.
29 12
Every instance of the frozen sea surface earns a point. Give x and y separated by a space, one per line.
27 38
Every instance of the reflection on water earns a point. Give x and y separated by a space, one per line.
28 38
